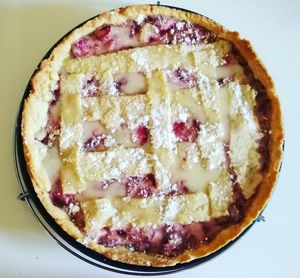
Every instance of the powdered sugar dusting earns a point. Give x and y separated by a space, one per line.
210 141
112 165
109 141
240 106
192 153
70 135
172 209
108 87
162 135
137 114
140 18
208 95
140 57
179 25
73 208
179 113
161 174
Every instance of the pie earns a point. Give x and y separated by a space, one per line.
152 135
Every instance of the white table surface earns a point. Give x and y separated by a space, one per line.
29 28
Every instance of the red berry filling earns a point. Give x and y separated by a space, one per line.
120 84
230 59
95 143
90 87
186 131
263 111
133 186
135 28
172 31
95 43
142 134
52 134
172 240
224 81
102 33
66 201
78 218
140 186
84 46
236 209
131 83
167 240
53 123
182 78
107 38
61 200
179 188
55 95
58 198
161 22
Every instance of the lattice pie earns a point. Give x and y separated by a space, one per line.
152 135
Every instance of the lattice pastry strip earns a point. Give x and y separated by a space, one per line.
187 103
107 165
71 180
220 194
71 110
145 59
163 139
153 211
212 55
71 134
208 145
71 83
113 111
211 145
208 98
244 136
71 123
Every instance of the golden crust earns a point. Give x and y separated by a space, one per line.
47 75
